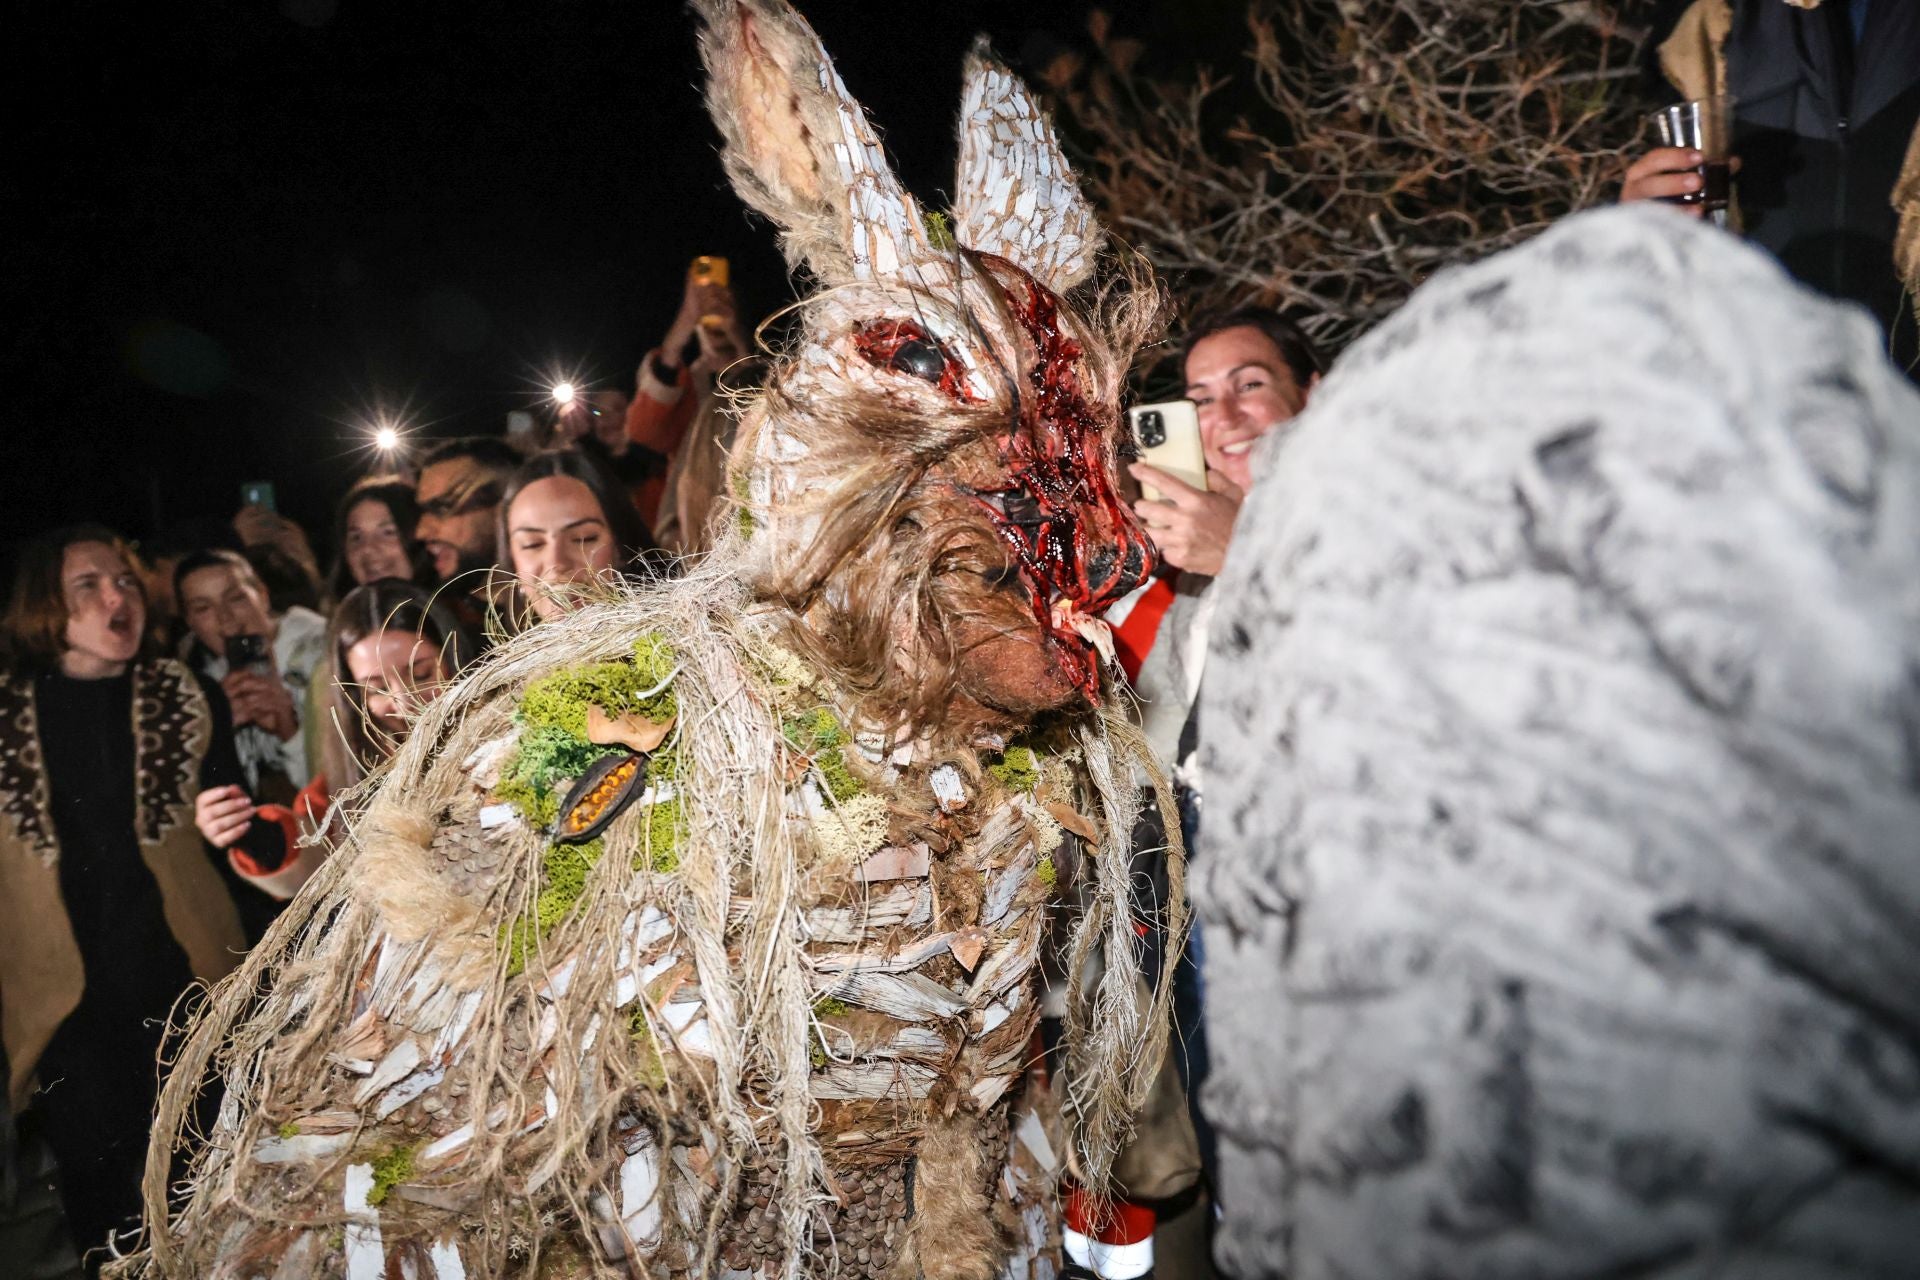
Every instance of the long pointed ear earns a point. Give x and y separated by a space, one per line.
800 150
1015 195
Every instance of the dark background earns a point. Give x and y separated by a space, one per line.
240 232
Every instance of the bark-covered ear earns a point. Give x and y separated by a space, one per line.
1014 194
800 150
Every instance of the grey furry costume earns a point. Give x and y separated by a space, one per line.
1562 736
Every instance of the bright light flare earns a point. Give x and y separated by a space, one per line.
563 393
386 439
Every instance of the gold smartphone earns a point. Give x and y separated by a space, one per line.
706 270
1168 434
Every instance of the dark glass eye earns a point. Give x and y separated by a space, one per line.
1022 508
922 360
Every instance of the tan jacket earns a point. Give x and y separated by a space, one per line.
1693 58
41 975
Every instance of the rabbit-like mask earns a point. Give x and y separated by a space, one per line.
933 464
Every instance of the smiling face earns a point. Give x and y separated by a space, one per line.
397 673
457 498
1243 388
105 611
559 539
375 546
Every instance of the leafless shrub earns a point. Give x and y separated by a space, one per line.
1373 142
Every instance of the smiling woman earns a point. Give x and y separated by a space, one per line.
565 524
391 648
109 904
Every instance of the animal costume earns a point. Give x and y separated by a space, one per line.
697 933
1562 744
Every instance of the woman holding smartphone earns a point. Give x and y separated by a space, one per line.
391 648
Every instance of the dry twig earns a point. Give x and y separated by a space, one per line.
1375 142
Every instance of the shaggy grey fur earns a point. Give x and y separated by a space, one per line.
1561 858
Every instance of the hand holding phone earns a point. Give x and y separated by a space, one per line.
1168 436
257 493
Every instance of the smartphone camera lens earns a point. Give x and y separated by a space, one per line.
1153 429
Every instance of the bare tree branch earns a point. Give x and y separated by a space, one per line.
1381 141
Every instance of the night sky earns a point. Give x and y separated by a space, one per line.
238 231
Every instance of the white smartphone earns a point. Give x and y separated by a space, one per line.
1168 434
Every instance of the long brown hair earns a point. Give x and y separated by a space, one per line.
34 632
396 495
351 746
638 557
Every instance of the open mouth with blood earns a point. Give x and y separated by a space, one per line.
1065 597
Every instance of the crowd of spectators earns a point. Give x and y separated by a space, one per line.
214 691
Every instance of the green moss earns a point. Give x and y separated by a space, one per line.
1017 769
815 730
1045 871
640 686
563 880
653 1067
823 739
824 1007
389 1171
661 827
742 503
288 1130
544 756
939 230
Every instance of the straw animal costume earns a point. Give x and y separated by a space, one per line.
696 934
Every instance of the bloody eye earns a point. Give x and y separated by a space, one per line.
922 360
903 346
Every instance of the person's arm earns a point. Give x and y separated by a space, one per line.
661 406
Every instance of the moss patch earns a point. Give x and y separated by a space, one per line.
389 1171
819 735
1017 769
660 830
563 881
653 1067
545 756
742 503
939 230
824 1007
288 1130
1048 876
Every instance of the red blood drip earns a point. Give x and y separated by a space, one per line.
1062 515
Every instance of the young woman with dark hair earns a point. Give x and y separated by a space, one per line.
391 648
110 906
373 536
564 524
